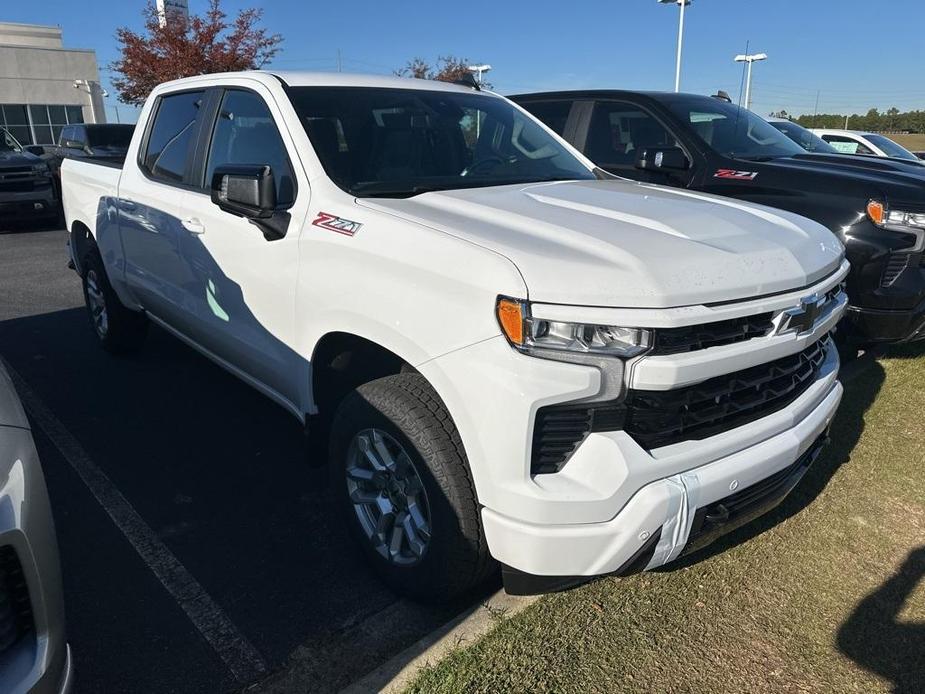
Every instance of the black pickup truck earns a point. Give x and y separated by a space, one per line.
877 207
103 142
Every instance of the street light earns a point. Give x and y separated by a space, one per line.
748 80
90 85
682 4
478 70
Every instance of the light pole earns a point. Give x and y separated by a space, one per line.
90 85
748 80
478 71
682 4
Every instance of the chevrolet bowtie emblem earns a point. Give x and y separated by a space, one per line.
801 319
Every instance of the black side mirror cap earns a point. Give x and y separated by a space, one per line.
245 190
662 159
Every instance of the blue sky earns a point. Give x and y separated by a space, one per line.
856 54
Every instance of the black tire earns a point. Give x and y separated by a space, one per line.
405 406
121 331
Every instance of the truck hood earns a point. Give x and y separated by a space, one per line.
876 170
10 159
626 244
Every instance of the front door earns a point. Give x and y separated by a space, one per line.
242 285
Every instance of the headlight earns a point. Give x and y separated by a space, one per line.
537 335
41 169
883 216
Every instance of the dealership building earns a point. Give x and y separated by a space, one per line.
45 86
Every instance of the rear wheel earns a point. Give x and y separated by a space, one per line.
403 481
119 330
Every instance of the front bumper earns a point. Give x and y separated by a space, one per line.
38 660
886 284
667 507
40 202
884 326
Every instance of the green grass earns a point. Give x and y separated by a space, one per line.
824 594
914 142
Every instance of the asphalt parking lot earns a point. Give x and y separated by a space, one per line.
213 479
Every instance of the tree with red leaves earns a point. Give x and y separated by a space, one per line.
449 69
184 47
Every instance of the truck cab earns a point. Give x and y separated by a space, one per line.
700 143
511 359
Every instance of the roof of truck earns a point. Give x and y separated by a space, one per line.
347 79
323 79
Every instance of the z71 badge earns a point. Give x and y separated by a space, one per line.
736 175
338 224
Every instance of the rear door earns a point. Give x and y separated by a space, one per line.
242 285
152 212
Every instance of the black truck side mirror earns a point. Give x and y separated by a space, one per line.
249 191
662 159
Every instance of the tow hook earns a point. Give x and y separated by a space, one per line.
717 515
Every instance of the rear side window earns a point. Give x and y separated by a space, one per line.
847 145
246 134
171 135
553 113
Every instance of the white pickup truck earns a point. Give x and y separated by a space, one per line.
518 359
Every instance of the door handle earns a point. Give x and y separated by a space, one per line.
193 225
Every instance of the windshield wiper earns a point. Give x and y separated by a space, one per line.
760 157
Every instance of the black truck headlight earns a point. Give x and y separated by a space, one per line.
536 335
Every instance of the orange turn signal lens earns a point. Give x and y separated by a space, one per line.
511 318
876 211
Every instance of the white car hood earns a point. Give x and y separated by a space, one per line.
627 244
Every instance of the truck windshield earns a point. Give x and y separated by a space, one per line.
8 143
380 142
803 137
116 136
733 131
891 148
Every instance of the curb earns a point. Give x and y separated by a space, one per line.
399 671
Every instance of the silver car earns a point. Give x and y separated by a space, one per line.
34 655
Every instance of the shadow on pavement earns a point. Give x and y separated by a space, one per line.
220 474
846 431
875 639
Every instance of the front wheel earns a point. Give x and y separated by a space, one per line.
403 480
119 330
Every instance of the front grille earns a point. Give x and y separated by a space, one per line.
15 608
660 418
726 332
16 186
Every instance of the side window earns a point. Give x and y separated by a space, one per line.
245 133
66 134
847 145
553 113
618 131
171 135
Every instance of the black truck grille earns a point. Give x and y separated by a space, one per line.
15 608
660 418
726 332
16 186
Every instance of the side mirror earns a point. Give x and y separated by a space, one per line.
662 159
249 191
245 190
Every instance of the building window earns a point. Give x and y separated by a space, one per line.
38 124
